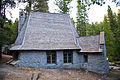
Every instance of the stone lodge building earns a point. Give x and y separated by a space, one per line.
50 40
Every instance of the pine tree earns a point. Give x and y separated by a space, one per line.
63 5
112 20
41 6
81 18
4 4
36 5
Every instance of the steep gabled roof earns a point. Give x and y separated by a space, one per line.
90 43
47 31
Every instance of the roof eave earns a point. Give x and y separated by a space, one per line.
41 49
90 52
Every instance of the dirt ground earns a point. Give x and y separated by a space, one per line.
8 72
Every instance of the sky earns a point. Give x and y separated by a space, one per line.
95 13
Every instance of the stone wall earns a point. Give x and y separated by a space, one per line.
96 63
38 59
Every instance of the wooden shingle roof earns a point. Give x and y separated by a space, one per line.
47 31
90 43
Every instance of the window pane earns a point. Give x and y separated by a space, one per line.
65 60
48 61
69 55
65 55
53 58
48 57
53 61
69 60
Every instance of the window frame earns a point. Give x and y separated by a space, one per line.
69 57
52 56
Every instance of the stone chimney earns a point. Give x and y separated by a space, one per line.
21 20
102 41
102 38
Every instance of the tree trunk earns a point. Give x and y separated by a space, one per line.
30 5
0 52
1 21
4 17
0 26
0 8
64 10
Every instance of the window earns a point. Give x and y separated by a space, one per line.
51 57
68 56
85 58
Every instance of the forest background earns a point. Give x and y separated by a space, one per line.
110 25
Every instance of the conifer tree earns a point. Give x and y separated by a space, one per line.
4 4
81 18
36 5
63 5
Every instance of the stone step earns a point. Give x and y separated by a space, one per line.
9 61
14 62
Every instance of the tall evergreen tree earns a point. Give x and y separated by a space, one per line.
81 18
41 6
114 26
118 35
112 20
4 4
36 5
63 5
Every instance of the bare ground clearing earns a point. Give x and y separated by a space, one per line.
8 72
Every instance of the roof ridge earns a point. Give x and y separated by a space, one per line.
88 36
49 13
